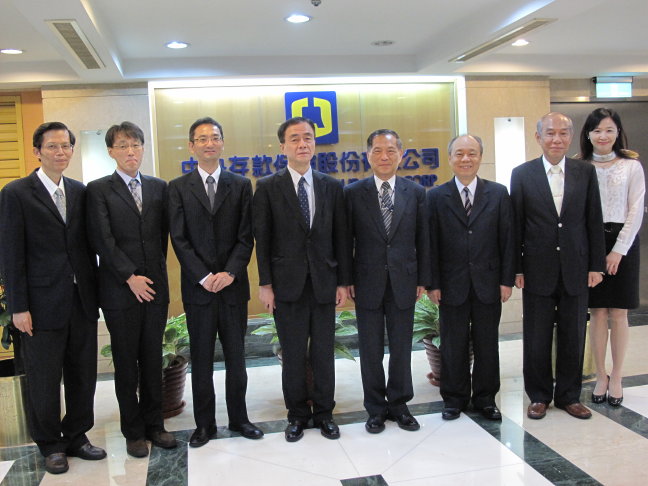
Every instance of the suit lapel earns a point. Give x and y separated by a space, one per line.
147 194
401 200
222 189
572 174
370 196
287 187
480 200
197 188
319 189
40 192
542 184
122 190
454 202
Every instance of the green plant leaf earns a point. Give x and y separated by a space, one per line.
106 351
343 352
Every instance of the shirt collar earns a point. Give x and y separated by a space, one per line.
548 165
49 184
296 175
472 187
204 174
379 182
126 178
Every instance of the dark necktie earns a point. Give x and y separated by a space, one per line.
467 203
386 206
303 200
211 192
136 197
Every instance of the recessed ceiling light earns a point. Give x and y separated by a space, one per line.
298 18
11 51
176 45
520 43
382 43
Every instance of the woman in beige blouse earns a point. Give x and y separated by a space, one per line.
622 188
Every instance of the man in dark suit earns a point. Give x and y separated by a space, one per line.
303 259
49 272
211 232
127 219
472 246
391 268
560 252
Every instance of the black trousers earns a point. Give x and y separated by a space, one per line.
479 322
306 332
136 342
229 324
381 398
70 353
569 313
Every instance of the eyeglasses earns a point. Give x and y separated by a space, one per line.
206 140
55 147
134 146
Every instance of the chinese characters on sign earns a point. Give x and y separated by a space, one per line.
346 163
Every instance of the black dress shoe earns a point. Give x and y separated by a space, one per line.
294 431
162 438
88 452
202 435
329 429
614 401
137 447
248 430
405 421
375 424
491 412
450 413
56 463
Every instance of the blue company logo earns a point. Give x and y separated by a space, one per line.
319 106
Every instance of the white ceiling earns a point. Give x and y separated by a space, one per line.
250 37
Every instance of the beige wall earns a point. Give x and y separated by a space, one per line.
491 97
99 107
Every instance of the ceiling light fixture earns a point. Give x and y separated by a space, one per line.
520 43
297 18
176 45
503 38
11 51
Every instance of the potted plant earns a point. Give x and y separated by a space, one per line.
175 348
13 420
343 327
426 329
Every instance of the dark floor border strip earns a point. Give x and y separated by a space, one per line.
629 419
551 465
28 468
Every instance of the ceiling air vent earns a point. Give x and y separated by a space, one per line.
69 32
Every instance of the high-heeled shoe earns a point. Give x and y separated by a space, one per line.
614 401
601 398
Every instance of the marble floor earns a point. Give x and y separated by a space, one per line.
610 449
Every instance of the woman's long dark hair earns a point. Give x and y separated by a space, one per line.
620 146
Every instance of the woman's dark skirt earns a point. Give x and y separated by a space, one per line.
620 291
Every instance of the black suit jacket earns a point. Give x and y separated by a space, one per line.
475 251
212 242
404 253
549 245
287 250
126 241
42 255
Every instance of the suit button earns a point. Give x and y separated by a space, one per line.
560 225
557 248
388 246
470 232
386 267
470 264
